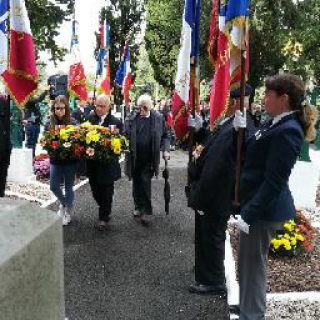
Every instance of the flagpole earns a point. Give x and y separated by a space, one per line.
240 137
7 118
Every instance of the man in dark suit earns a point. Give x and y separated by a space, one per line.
5 144
211 194
103 175
147 133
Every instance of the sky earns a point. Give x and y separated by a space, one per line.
87 15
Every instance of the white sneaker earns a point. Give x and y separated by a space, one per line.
61 211
66 219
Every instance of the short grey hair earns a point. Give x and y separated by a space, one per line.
145 100
104 99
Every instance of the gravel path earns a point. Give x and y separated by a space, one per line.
132 272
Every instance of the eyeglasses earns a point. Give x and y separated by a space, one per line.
59 108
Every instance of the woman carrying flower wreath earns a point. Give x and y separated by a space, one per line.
62 166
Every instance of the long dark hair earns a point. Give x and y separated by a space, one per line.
66 118
294 87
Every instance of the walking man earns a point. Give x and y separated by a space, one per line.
147 133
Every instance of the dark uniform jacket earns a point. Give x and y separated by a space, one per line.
270 156
213 174
159 137
5 144
104 172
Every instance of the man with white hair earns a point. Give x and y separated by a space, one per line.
102 175
147 132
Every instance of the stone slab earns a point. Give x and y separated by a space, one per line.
31 263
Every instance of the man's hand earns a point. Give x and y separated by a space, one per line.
166 155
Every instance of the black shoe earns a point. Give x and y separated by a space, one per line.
145 220
203 289
235 309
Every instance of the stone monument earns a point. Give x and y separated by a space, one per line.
31 263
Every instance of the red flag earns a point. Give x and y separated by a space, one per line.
77 78
221 81
21 76
214 33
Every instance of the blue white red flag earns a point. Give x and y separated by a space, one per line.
190 48
124 75
21 75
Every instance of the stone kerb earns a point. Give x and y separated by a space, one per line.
31 263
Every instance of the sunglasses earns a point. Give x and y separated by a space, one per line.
59 108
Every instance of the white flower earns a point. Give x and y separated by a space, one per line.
67 144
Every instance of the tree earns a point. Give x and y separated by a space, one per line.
125 18
164 21
46 17
273 25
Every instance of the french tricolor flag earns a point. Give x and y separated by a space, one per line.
189 49
21 75
124 75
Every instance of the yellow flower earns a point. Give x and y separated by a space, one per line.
64 135
288 247
276 243
293 241
86 125
286 236
116 145
300 237
92 136
288 227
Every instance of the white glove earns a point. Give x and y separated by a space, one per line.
240 120
166 155
195 122
242 225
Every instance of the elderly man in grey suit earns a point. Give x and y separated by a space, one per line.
147 132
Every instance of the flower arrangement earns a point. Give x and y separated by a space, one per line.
104 144
297 237
64 142
41 166
91 141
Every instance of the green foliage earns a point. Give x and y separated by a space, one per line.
46 17
273 25
125 18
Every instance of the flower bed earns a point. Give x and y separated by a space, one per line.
290 273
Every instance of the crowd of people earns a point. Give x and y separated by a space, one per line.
269 152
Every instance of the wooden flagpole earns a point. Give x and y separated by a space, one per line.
241 132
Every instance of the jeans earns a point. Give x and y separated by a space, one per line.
66 173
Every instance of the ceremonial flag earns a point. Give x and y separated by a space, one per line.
21 75
77 78
230 40
237 30
124 76
105 42
190 41
4 16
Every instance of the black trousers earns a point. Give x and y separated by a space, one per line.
210 236
103 195
4 165
141 189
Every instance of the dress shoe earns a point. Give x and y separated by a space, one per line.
145 220
235 309
203 289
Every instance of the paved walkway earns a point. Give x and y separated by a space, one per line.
133 272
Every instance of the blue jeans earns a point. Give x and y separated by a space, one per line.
58 174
